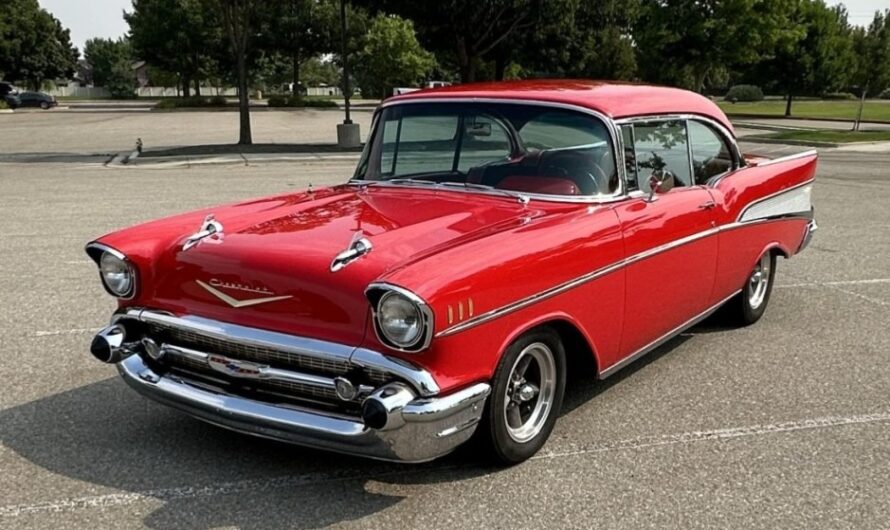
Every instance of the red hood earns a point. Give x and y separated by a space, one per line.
283 247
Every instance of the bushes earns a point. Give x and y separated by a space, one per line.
299 102
838 96
3 105
744 93
193 102
885 94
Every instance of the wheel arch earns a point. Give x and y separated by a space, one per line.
581 353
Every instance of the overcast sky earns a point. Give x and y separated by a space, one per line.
103 18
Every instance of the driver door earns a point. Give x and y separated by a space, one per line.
669 239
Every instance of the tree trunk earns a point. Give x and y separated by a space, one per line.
465 61
296 79
245 136
500 67
788 99
197 87
861 105
186 86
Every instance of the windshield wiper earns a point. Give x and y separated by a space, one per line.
521 197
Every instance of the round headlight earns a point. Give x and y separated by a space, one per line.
116 274
400 319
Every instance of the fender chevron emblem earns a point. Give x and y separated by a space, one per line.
239 303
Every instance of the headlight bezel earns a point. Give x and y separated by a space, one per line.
378 293
97 251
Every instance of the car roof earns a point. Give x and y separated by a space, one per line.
614 99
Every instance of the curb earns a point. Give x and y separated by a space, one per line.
128 160
761 140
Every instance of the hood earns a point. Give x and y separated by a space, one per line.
271 265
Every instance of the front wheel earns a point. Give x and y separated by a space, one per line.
527 393
44 105
750 304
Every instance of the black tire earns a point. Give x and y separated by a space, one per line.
44 105
743 309
494 432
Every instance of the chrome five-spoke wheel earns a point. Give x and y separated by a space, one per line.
527 391
758 284
530 391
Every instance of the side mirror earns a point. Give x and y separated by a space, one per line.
655 184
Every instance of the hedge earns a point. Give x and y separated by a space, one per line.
744 93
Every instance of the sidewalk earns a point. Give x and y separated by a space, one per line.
232 155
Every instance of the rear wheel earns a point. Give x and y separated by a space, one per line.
527 393
44 105
750 304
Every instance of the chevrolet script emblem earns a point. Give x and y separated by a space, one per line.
215 285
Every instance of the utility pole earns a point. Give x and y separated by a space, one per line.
348 133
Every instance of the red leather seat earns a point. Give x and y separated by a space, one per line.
538 184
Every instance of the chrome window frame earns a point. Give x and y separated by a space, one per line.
730 139
608 122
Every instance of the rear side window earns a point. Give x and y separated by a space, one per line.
710 154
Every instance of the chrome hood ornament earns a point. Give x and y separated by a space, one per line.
210 227
214 286
358 247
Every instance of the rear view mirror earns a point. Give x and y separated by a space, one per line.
479 129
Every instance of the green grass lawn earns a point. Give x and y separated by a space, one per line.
875 109
836 137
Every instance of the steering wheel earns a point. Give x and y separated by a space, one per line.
575 166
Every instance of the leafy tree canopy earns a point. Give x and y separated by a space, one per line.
391 57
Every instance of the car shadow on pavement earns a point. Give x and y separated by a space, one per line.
205 477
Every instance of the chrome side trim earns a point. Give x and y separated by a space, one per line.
571 284
664 338
429 321
419 379
741 217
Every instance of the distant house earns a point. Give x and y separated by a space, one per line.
140 70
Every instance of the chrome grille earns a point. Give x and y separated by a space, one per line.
245 352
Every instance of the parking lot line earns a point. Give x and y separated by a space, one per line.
252 485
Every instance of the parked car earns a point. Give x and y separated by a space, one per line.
32 99
493 237
7 88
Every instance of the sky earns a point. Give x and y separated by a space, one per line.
103 18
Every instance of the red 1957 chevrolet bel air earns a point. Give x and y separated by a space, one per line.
492 236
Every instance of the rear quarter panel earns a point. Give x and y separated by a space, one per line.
743 241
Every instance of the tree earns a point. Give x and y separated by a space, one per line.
238 20
684 42
814 53
391 57
180 36
578 38
34 46
871 72
469 30
103 55
299 29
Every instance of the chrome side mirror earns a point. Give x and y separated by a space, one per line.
655 184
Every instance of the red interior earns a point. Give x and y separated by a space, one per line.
537 184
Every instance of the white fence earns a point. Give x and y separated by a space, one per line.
144 92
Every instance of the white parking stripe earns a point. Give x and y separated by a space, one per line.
835 283
253 485
75 331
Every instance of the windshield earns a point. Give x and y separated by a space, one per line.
530 148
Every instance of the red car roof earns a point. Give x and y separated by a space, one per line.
614 99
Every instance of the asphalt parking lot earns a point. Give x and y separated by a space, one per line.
785 424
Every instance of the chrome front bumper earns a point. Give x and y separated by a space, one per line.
433 426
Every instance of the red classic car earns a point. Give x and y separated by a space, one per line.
493 237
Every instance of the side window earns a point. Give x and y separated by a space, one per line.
710 154
630 161
419 144
662 146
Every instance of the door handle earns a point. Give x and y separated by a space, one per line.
707 205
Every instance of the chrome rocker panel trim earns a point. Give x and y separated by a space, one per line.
421 380
433 426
